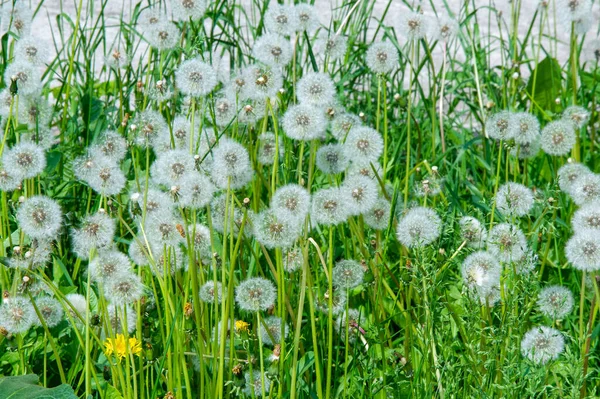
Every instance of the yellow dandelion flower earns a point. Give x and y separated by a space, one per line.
122 348
241 326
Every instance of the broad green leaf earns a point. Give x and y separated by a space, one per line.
26 387
545 84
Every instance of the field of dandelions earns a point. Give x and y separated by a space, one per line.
246 200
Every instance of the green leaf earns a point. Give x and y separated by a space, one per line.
545 84
26 387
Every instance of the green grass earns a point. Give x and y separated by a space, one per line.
421 332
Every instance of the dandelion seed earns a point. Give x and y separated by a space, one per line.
542 344
583 250
328 207
413 25
500 126
507 242
334 47
569 175
255 294
50 310
273 50
445 29
163 35
185 10
420 226
363 144
96 232
347 274
514 199
382 57
472 231
254 384
578 115
262 82
27 159
195 78
378 217
349 323
210 292
40 217
274 231
526 128
304 122
555 301
332 159
587 217
108 264
281 19
558 138
121 315
481 272
316 89
231 165
586 189
359 193
17 315
124 288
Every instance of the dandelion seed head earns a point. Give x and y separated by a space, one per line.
308 19
40 217
378 217
586 189
281 19
112 145
473 232
328 207
514 199
124 288
316 89
342 123
107 178
150 126
255 294
555 301
507 242
558 138
20 17
267 147
542 344
349 323
261 82
526 128
583 250
96 232
272 334
363 144
500 126
347 274
420 226
225 111
587 217
334 47
293 259
105 266
162 230
413 25
527 150
332 159
210 292
27 159
220 220
195 190
382 57
275 231
195 78
445 28
185 10
481 272
171 166
231 164
273 50
578 115
17 314
254 385
163 35
51 311
304 122
359 193
119 315
569 175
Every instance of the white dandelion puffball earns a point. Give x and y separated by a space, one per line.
514 199
420 226
542 344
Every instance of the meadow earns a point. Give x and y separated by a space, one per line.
225 198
